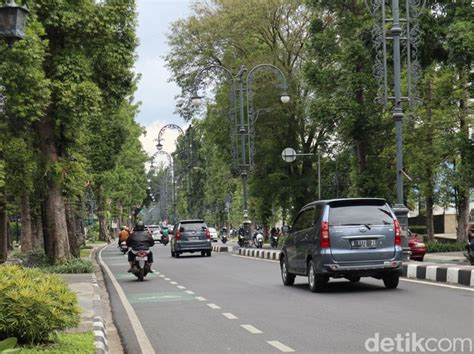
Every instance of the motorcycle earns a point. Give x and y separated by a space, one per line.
140 266
274 241
164 240
241 241
258 239
469 254
123 247
224 239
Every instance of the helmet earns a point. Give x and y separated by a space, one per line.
139 226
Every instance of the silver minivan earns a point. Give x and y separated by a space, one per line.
190 236
343 238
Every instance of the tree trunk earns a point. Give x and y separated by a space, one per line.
58 243
429 216
74 244
3 231
462 216
37 231
103 230
57 227
26 234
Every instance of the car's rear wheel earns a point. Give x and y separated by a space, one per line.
173 254
316 281
177 254
391 280
208 253
287 277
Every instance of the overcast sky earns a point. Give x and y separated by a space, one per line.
155 93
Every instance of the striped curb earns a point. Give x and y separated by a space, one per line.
100 334
259 253
455 274
220 249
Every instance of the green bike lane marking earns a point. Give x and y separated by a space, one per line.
130 276
138 298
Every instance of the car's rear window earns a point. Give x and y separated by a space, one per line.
194 226
360 215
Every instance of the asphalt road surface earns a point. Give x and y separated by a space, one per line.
230 304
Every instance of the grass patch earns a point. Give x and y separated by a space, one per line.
64 343
435 247
72 266
85 252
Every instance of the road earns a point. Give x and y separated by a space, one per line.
228 303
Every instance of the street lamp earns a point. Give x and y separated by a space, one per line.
245 126
12 21
410 34
159 139
12 26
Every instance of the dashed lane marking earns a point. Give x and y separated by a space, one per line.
214 306
181 287
190 292
162 276
280 346
174 283
200 298
230 316
251 329
167 279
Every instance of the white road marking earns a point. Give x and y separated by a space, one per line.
189 292
213 306
200 298
142 339
230 316
256 259
162 276
251 329
280 346
437 284
167 279
173 282
181 287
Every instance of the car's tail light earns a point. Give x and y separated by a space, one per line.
208 234
324 239
178 235
398 232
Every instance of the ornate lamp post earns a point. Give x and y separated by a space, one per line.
245 127
12 26
171 169
159 145
406 29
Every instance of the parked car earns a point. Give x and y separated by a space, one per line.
343 238
155 231
213 233
191 236
417 247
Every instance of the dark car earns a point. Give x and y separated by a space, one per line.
190 236
343 238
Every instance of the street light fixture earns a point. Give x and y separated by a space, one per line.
243 128
12 26
12 21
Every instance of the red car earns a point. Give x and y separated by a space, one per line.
417 247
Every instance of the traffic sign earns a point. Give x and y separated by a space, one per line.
288 155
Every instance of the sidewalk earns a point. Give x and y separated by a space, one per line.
96 314
448 257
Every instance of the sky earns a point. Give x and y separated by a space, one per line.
154 92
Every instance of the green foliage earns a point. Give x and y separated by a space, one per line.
418 229
7 345
93 233
436 247
73 266
33 259
64 343
33 304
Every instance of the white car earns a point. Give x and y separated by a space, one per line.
213 233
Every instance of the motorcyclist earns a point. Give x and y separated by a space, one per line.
139 239
123 234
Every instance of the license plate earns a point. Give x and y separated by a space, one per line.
141 258
363 243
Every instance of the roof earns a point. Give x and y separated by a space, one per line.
329 201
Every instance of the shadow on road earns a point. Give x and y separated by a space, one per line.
344 287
